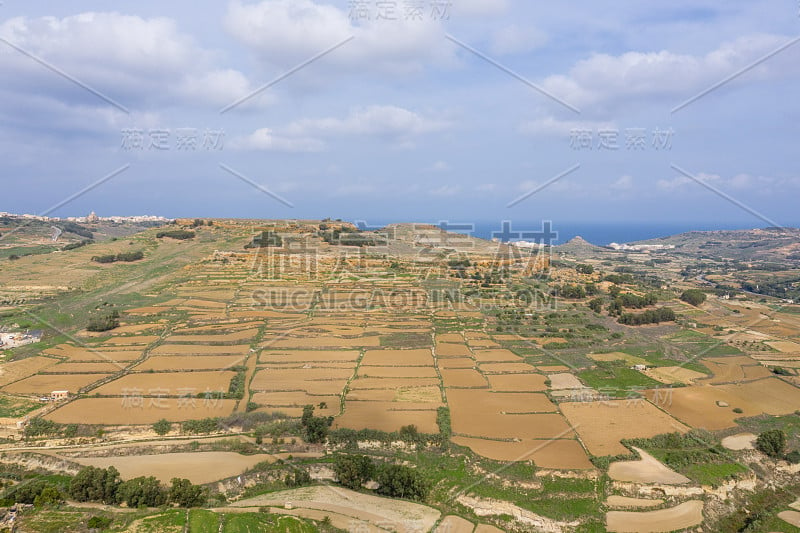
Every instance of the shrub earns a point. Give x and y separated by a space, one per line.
398 481
772 442
693 297
162 427
104 322
186 494
142 492
179 234
353 470
98 522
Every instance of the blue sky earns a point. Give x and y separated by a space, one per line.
414 116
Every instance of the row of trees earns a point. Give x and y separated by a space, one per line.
127 257
634 301
651 316
104 485
93 484
180 234
396 481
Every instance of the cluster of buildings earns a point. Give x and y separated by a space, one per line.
640 247
12 340
90 218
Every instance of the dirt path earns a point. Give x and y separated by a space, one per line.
252 361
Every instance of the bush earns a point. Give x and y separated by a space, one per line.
205 425
142 492
693 297
315 428
162 427
651 316
39 426
104 322
98 522
186 494
31 492
353 470
179 234
772 442
398 481
76 245
93 484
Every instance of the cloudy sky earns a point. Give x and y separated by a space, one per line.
403 110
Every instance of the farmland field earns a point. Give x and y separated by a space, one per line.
167 383
601 425
192 466
16 370
115 411
46 383
497 411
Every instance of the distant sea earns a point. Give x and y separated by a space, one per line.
599 233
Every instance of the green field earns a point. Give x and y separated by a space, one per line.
13 407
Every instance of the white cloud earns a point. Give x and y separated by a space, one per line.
439 166
548 126
383 121
130 59
264 139
445 190
222 87
287 32
513 40
603 78
479 7
623 183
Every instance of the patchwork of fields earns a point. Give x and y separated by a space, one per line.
227 340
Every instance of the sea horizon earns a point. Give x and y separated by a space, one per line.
597 233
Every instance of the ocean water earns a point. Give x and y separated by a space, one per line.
597 233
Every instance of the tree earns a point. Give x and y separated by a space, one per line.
142 492
584 269
315 428
398 481
49 496
353 470
162 427
186 494
93 484
298 478
409 432
104 322
596 304
772 442
693 297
